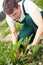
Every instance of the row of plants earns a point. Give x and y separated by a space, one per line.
16 54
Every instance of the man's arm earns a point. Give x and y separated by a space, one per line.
37 18
12 25
14 33
35 14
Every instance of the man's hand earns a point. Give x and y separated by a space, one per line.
14 37
32 44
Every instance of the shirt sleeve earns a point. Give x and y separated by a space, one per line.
10 21
29 6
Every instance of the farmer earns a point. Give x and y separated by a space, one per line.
29 14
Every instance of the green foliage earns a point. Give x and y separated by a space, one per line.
19 26
7 51
27 41
39 3
35 49
14 54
